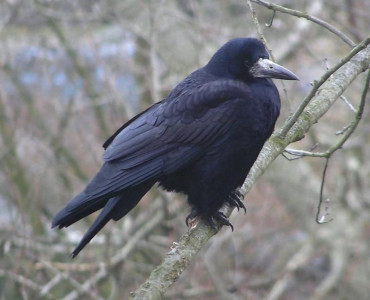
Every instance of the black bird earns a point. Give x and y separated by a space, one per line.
201 140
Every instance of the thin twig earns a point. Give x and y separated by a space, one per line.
50 284
343 130
296 37
305 15
303 153
258 28
355 122
318 211
20 279
119 257
269 24
154 80
264 41
327 154
347 103
317 84
339 256
79 288
298 260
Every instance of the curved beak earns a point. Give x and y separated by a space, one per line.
265 68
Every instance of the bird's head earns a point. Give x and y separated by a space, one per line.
246 59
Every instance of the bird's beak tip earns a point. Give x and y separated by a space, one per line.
295 77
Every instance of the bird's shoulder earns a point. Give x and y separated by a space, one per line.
191 99
202 89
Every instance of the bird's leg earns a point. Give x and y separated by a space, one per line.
236 198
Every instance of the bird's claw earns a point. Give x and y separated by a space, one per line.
211 221
189 221
235 199
221 218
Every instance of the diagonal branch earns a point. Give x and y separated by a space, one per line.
318 84
192 241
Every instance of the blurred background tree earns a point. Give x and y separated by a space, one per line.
72 72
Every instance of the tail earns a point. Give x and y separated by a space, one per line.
114 208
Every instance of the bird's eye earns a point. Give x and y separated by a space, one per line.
246 62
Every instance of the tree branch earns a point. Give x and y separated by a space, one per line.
305 15
318 84
119 258
340 80
328 153
194 239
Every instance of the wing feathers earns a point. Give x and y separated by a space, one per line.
169 136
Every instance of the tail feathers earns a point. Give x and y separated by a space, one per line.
130 198
98 224
78 208
115 208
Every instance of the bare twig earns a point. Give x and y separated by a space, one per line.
317 84
296 262
350 106
258 28
305 15
327 154
48 286
343 130
119 257
348 130
321 220
296 37
84 73
269 24
338 260
263 39
76 285
20 279
302 153
154 81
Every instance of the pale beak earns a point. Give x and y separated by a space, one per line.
265 68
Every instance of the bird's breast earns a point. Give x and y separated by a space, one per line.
254 119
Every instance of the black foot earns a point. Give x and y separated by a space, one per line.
220 216
235 199
211 221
